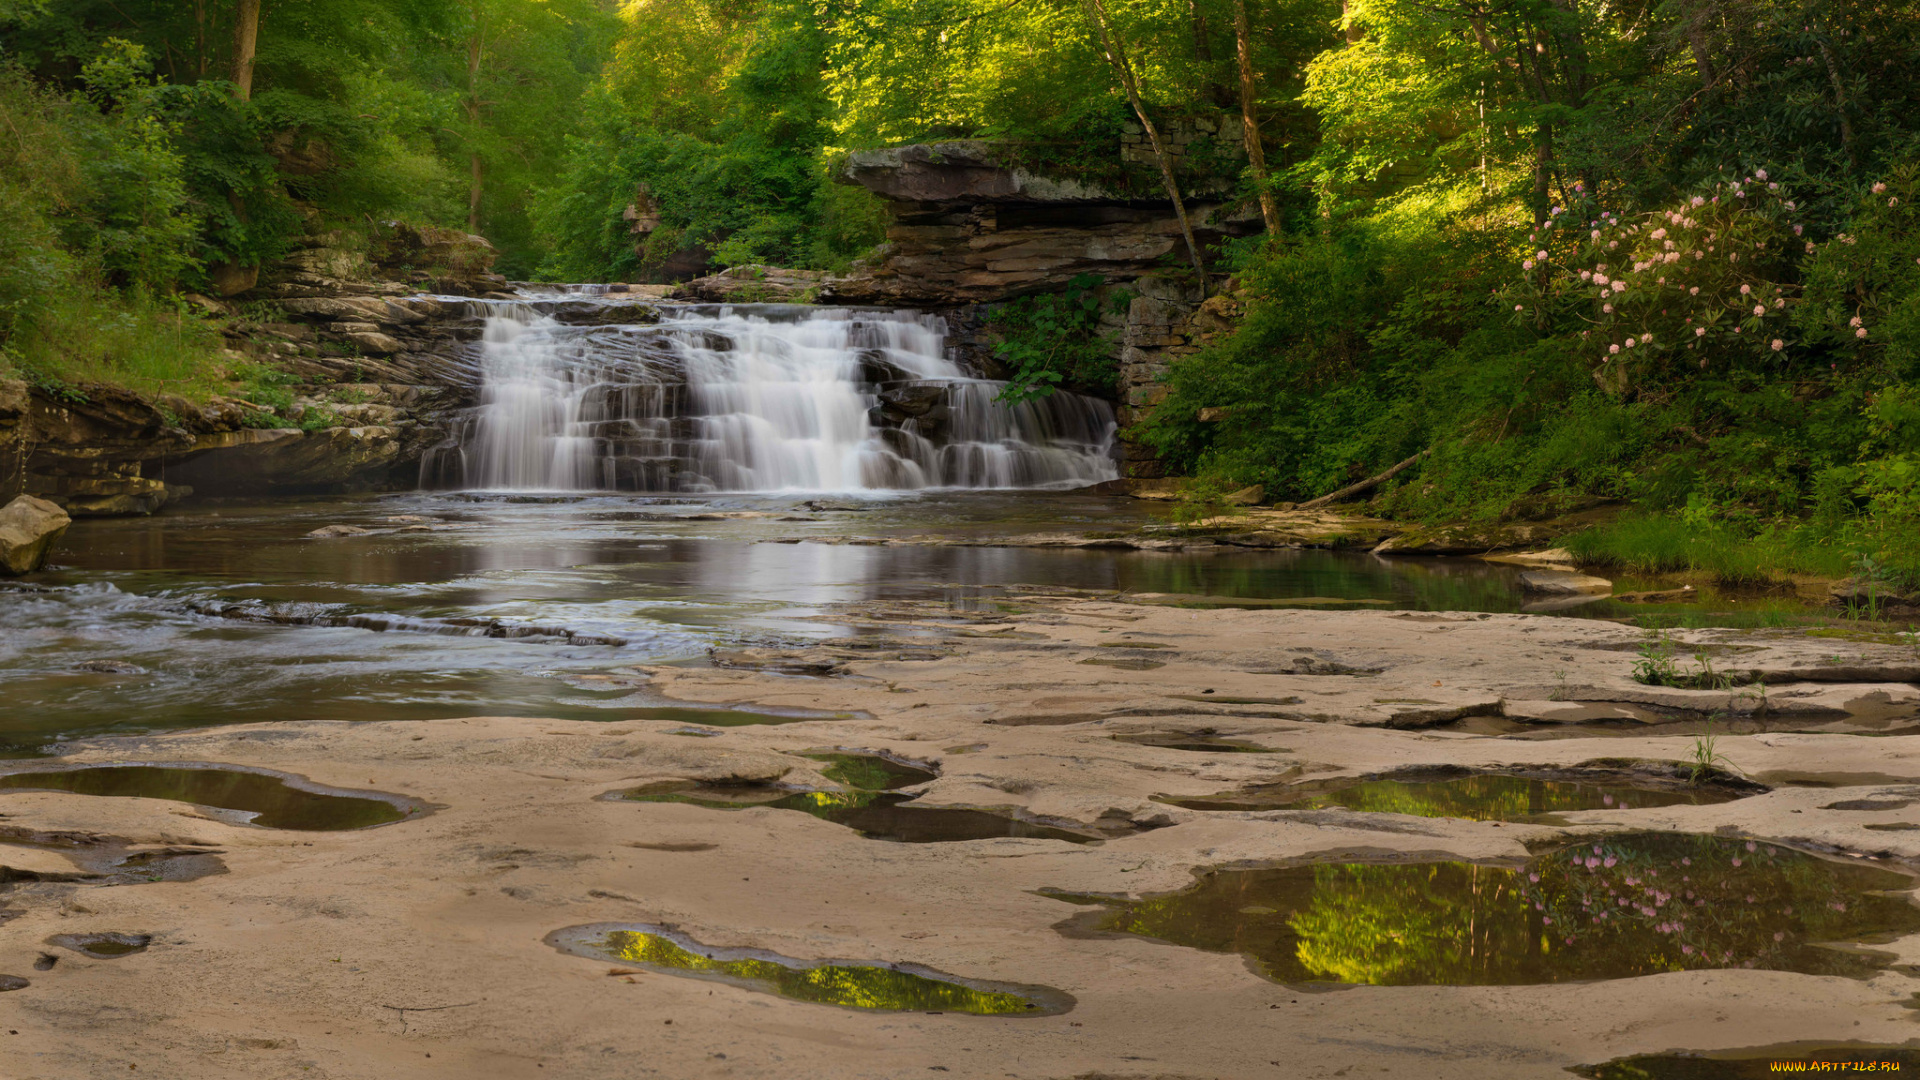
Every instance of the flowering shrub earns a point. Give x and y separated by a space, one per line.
1863 288
1704 281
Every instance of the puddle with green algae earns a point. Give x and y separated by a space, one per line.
1756 1062
874 812
103 946
1200 742
851 984
1618 907
872 772
271 800
1478 797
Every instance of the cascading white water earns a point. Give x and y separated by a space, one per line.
754 398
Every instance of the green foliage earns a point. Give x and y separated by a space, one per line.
1055 341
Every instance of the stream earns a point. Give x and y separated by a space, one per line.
462 604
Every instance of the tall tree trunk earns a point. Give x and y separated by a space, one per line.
1249 122
1202 48
1111 43
246 31
475 50
199 40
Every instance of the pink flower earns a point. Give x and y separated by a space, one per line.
1777 346
1599 279
1745 289
1761 173
1759 309
1878 188
1610 349
1526 264
1860 333
1699 331
1698 201
1855 321
1751 846
1695 291
1736 861
1595 234
1608 308
1541 255
1798 229
1519 307
1659 234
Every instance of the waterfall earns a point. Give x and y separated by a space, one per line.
746 398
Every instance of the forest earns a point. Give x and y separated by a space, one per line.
1655 256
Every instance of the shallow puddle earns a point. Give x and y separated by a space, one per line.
1628 905
854 985
1124 663
1752 1064
1198 742
102 946
267 799
1478 797
876 815
872 772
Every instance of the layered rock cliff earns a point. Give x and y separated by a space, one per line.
364 364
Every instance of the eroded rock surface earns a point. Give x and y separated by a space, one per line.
363 952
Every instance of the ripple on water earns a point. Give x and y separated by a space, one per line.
851 984
1618 907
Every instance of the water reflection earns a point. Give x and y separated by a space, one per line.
268 800
1615 908
874 814
1756 1063
1484 797
854 986
227 612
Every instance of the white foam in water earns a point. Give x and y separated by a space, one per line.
755 399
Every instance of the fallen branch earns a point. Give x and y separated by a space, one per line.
1364 485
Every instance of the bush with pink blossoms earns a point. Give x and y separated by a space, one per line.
1863 286
1705 281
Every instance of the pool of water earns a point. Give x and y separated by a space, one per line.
854 985
876 815
1759 1062
458 604
1481 797
1613 908
261 798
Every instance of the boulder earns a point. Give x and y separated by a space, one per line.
446 260
1564 583
755 284
329 531
28 529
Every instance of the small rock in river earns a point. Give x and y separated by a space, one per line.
339 530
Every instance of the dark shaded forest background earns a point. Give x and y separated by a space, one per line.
1655 255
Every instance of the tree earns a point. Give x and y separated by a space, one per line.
1110 41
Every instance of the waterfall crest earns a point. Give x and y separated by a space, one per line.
744 398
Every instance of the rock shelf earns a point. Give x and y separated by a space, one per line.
363 951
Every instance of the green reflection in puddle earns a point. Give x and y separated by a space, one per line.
1483 797
876 815
1629 905
1756 1063
853 985
872 772
275 803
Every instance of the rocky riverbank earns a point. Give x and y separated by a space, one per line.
418 948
